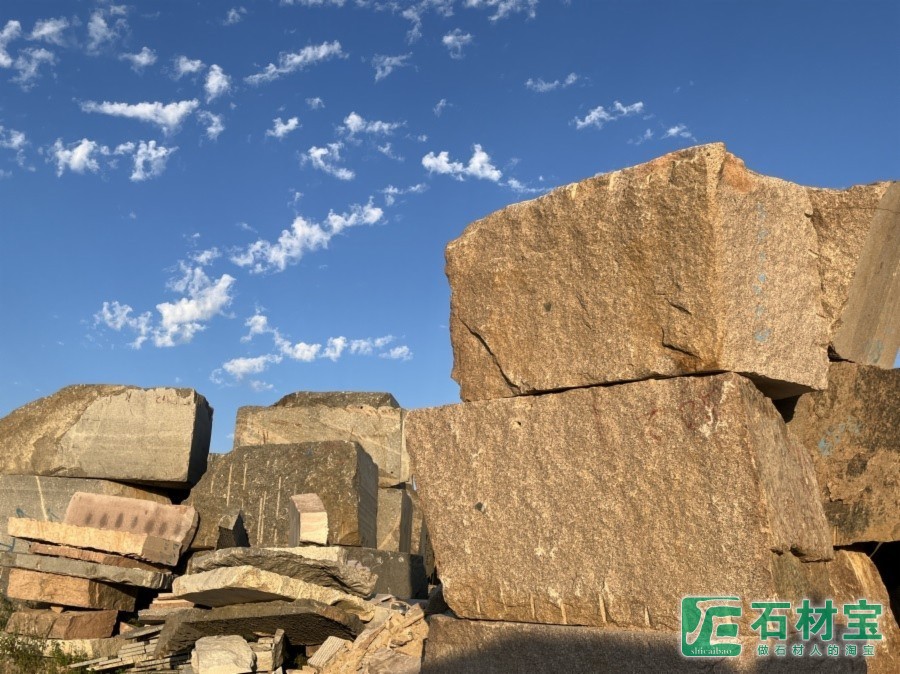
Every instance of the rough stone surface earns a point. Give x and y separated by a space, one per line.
87 648
373 420
547 508
176 523
92 556
304 623
260 481
351 577
394 520
852 432
399 573
688 263
46 498
155 436
68 591
142 546
154 580
246 584
489 647
223 655
859 263
309 520
232 532
68 625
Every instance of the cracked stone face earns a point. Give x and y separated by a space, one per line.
689 263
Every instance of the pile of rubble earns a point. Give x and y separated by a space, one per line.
294 540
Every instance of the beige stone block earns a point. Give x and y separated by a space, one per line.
68 591
48 624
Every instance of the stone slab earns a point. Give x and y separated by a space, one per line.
88 648
260 481
48 624
374 420
852 433
155 436
176 523
689 263
309 520
105 558
399 574
304 623
394 520
349 576
227 586
858 230
46 498
223 655
68 591
142 546
153 580
546 508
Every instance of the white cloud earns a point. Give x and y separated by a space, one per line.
206 257
10 32
600 115
334 348
388 151
50 30
479 165
185 66
150 160
303 236
679 131
368 346
354 123
521 188
118 317
144 58
398 353
314 3
168 117
28 64
385 65
258 324
281 129
241 367
217 83
214 123
391 193
455 41
11 139
305 353
234 15
543 87
77 157
503 8
643 138
326 158
260 386
289 62
440 106
315 103
100 31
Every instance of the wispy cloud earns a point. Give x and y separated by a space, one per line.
11 31
79 157
440 106
50 30
543 87
315 103
385 65
11 139
150 160
217 83
355 123
234 15
28 64
303 237
455 41
643 138
326 159
479 165
314 3
600 115
280 129
102 32
185 66
144 58
391 193
503 8
167 117
289 62
214 124
397 353
387 149
679 131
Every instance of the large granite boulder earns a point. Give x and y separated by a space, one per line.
373 420
46 498
852 433
154 436
689 263
260 481
605 506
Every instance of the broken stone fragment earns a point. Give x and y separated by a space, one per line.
545 508
852 433
68 591
223 655
154 580
309 520
260 481
689 263
373 420
246 584
155 436
232 532
48 624
92 556
346 576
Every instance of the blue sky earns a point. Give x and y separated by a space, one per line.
254 198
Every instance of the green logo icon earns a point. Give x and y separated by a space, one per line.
705 628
